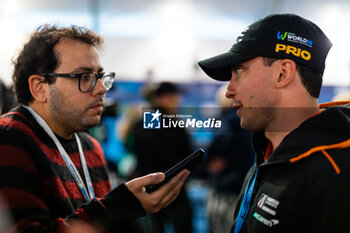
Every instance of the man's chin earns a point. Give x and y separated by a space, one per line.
91 122
250 126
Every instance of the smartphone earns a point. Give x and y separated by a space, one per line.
190 162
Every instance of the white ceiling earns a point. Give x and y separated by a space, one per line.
206 21
246 10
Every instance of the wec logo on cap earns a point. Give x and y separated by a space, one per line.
289 49
292 37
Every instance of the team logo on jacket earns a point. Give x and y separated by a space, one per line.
267 222
269 205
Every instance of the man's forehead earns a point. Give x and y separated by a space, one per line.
69 42
77 55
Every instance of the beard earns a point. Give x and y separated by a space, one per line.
256 119
66 114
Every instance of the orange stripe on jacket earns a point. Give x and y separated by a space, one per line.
334 103
340 145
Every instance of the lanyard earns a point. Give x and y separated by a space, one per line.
88 194
243 210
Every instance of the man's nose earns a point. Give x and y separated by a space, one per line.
231 88
99 88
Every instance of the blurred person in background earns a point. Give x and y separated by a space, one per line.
106 133
52 173
159 150
300 179
7 98
230 155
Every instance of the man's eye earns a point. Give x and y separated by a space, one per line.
238 72
85 76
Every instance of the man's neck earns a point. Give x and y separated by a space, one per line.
44 113
287 120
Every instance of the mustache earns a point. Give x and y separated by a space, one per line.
236 102
98 100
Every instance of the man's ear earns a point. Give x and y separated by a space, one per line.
38 87
287 69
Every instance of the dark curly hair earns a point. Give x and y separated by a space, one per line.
38 55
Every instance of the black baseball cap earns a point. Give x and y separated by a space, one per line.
275 36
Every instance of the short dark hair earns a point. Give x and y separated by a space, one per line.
311 79
38 55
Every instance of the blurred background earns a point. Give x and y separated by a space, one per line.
168 37
152 41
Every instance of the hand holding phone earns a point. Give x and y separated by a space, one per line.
190 163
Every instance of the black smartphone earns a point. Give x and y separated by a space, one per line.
190 162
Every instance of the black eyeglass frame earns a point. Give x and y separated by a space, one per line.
93 83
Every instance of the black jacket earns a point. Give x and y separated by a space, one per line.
157 150
305 184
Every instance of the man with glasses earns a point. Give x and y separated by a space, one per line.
52 173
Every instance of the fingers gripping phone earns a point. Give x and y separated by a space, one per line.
190 162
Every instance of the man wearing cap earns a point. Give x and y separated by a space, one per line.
300 180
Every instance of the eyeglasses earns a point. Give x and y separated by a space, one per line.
87 81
